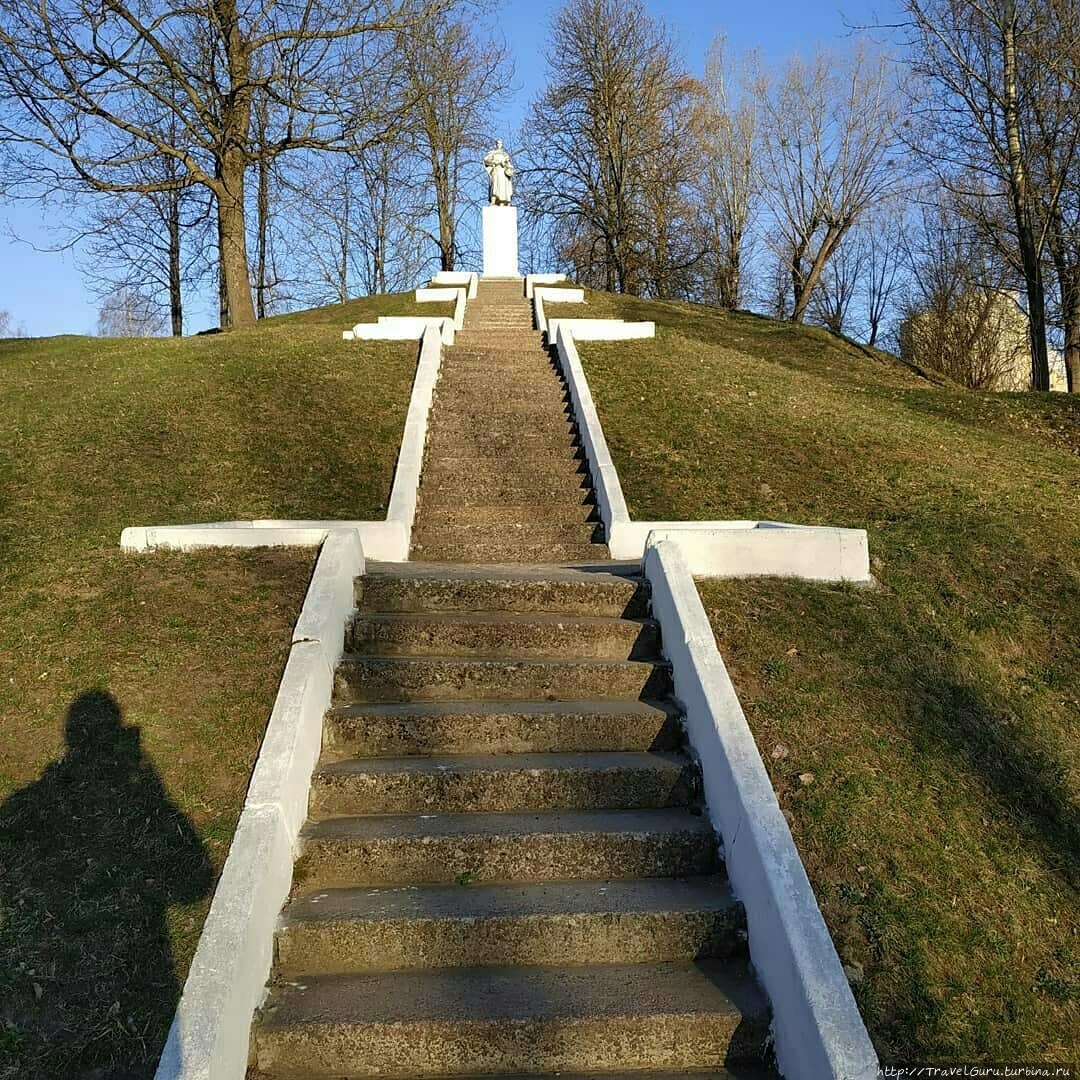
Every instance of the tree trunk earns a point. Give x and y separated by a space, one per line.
231 232
262 214
1070 317
176 305
1021 204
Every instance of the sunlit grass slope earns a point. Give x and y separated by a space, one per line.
923 737
134 689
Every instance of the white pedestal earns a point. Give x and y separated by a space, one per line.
500 241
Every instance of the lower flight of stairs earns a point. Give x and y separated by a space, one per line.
506 868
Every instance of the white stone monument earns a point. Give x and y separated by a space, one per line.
499 218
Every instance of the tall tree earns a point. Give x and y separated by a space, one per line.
726 119
604 143
828 135
454 75
89 92
986 65
130 312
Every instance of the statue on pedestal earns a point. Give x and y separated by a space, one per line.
500 170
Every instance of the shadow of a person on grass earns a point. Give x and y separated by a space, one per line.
92 857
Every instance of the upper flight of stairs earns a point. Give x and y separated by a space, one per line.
506 869
504 478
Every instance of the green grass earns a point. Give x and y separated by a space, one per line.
939 715
134 689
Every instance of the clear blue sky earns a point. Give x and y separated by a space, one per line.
44 292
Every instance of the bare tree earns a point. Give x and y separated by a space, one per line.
8 327
454 75
828 136
883 237
90 92
605 143
832 299
959 315
726 119
128 312
986 65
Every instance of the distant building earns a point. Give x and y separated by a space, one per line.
980 342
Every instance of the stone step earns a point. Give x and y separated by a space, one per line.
449 513
476 410
538 386
458 549
525 468
572 489
519 635
499 727
651 920
492 535
507 455
616 591
455 435
741 1072
348 852
455 678
487 1020
502 783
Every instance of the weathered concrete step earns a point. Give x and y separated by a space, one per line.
464 456
548 391
487 1020
499 727
572 489
514 533
741 1072
502 783
452 433
563 922
502 633
451 513
499 408
558 845
617 590
520 471
461 549
455 678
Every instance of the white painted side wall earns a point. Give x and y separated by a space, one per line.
559 296
817 1028
444 295
403 494
532 280
387 540
209 1036
466 278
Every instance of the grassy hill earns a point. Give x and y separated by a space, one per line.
923 737
134 689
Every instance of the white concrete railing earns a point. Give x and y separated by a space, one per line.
387 540
817 1029
209 1035
444 294
716 548
532 280
468 279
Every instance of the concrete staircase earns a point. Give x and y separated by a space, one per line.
504 479
506 869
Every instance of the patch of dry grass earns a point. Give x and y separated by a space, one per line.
939 716
134 689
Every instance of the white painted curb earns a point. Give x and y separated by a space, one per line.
445 295
558 296
468 279
387 540
403 495
711 548
209 1036
532 280
817 1028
